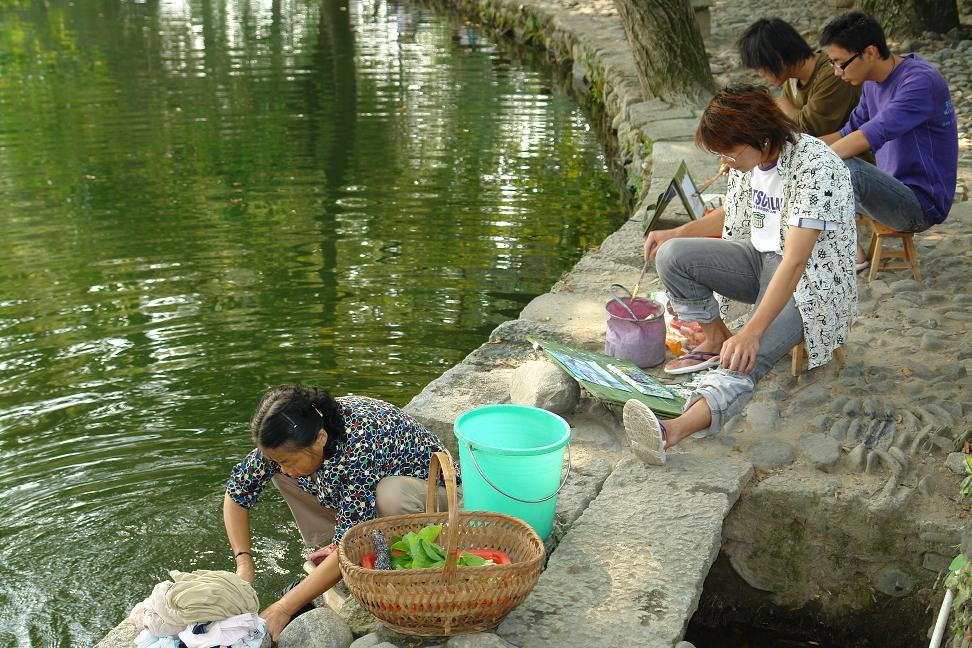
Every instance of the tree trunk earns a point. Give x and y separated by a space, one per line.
668 49
902 18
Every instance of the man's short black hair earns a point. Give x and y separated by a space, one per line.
773 45
854 31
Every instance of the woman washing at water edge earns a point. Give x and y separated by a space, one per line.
337 462
787 246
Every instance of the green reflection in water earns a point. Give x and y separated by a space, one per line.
201 199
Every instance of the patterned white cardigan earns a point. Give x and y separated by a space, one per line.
817 186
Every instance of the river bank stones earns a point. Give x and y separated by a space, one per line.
771 453
545 385
822 451
318 628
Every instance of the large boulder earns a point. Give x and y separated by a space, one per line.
319 628
545 385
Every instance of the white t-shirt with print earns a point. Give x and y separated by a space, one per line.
767 186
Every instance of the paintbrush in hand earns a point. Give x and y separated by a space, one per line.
708 183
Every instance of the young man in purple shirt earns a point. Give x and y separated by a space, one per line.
905 116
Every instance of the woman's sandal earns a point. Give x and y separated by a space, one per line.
645 432
706 360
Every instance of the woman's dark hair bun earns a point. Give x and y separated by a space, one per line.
294 415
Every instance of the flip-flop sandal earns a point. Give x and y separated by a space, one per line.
862 265
706 360
645 432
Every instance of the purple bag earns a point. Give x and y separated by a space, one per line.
635 329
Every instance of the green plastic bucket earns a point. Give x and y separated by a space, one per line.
511 458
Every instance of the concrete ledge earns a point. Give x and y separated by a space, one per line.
121 636
630 570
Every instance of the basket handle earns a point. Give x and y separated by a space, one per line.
440 463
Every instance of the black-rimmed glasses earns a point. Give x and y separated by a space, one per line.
843 66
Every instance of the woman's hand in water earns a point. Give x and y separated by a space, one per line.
277 617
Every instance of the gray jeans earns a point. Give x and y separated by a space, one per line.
886 199
692 269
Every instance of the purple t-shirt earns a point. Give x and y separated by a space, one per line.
910 123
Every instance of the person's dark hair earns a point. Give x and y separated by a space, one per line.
293 415
772 44
854 31
744 114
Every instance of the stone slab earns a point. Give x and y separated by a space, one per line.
508 345
630 570
594 274
672 130
458 390
594 452
582 315
666 157
646 112
121 636
625 246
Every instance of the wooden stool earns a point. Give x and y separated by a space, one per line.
799 353
880 257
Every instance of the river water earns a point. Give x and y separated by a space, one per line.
203 199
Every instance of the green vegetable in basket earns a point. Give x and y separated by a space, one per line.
417 550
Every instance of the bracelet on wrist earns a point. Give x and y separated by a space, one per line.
240 553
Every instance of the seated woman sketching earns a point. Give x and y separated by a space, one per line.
787 246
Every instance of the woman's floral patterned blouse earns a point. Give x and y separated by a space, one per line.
381 441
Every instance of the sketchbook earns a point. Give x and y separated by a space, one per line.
611 379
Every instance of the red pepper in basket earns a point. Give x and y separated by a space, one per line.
498 557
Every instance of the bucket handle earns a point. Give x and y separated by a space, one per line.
614 297
472 456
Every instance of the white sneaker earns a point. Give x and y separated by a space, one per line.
645 433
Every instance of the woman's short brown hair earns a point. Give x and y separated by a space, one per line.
744 114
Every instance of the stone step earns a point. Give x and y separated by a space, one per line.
630 570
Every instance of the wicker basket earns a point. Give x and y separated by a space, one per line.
449 600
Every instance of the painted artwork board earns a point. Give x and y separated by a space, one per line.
606 384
